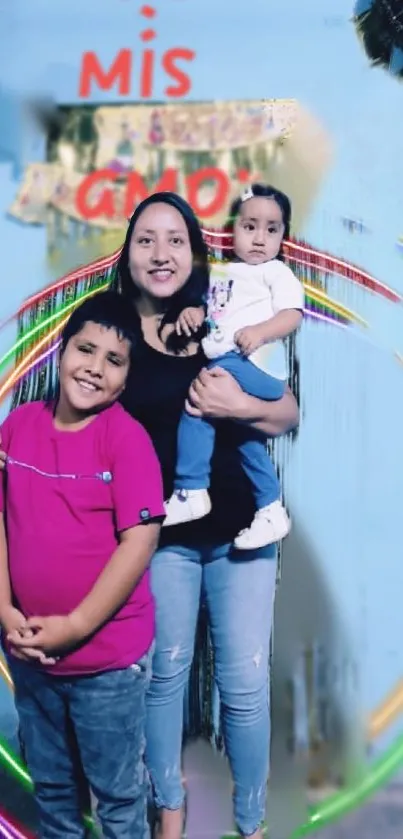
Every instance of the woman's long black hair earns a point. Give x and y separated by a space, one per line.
193 293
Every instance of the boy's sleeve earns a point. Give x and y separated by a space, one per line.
136 478
5 432
287 290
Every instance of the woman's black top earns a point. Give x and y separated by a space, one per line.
155 395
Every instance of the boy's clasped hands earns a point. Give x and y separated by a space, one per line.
38 639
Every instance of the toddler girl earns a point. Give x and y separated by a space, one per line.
254 303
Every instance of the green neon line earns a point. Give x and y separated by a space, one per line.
47 322
16 768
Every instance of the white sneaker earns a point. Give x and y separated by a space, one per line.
186 505
270 524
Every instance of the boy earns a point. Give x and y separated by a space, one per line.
82 504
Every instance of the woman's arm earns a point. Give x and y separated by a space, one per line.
216 394
271 418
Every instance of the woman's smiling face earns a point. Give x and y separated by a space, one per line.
160 255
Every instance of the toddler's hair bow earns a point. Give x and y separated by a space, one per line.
248 193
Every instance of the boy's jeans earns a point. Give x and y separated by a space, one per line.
93 724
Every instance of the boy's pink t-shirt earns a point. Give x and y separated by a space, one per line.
66 496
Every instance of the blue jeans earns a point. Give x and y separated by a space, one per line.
239 593
85 724
196 436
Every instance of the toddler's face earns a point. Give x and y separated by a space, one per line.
93 369
258 230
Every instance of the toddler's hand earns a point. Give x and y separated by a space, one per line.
249 339
190 321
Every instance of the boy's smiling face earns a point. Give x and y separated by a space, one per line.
93 371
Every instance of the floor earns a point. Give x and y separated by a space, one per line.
208 780
381 818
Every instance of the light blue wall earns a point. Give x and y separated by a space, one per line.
345 480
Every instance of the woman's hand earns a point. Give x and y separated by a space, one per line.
3 458
215 393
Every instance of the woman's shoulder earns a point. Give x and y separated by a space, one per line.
118 423
124 439
122 432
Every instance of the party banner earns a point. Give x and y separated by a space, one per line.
103 160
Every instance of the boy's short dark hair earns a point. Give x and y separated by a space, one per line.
107 308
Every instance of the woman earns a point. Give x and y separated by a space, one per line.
163 269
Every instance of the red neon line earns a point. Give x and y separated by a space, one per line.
328 263
12 824
77 274
325 262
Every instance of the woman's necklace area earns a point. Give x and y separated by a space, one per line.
150 328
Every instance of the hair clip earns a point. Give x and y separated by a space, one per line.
248 193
